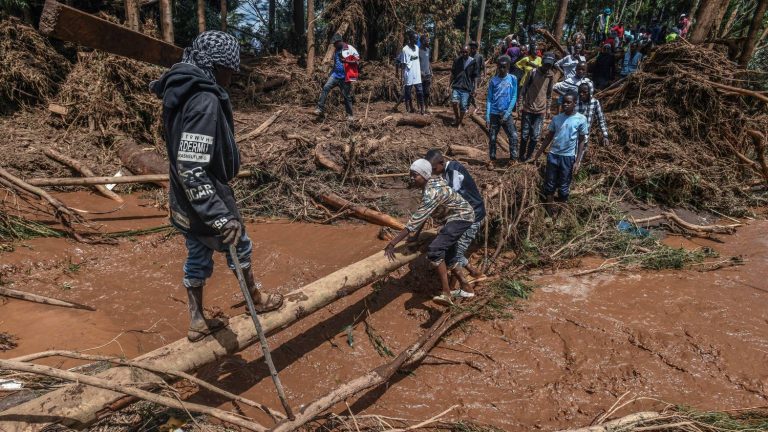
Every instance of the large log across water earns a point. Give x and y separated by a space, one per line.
78 405
69 24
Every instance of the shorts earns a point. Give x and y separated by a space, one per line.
444 247
460 260
461 97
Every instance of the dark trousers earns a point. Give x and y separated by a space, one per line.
497 122
419 93
529 134
445 245
346 91
558 176
426 84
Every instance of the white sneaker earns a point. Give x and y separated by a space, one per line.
350 118
460 293
443 300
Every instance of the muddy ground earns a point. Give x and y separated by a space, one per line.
569 351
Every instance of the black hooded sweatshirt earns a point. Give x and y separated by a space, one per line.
203 155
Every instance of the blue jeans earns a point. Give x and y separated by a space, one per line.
497 122
558 176
529 135
460 258
419 93
199 264
461 97
346 91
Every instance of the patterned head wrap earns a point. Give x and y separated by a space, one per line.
211 48
422 167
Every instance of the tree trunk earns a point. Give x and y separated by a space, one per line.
436 47
727 27
754 33
223 15
330 50
166 20
132 14
718 21
200 16
310 36
481 18
705 17
530 13
559 21
513 17
271 24
298 23
469 22
73 404
639 6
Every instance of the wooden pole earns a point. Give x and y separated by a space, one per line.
360 212
166 20
705 16
223 15
753 35
82 169
200 16
469 22
310 36
77 405
66 23
132 14
21 295
480 20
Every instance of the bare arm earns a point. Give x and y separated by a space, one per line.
544 146
389 250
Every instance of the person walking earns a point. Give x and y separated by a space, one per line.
500 101
463 75
345 71
536 94
480 62
410 66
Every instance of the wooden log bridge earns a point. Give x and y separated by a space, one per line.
67 23
78 405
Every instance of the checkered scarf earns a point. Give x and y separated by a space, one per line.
211 48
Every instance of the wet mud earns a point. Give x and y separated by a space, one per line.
566 354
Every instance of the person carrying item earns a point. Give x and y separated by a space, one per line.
500 101
344 72
459 218
463 75
536 94
410 66
204 158
590 108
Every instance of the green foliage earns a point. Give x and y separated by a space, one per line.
13 228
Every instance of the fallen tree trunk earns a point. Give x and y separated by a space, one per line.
262 127
82 169
69 24
469 152
360 212
322 159
89 181
272 84
21 295
330 50
77 405
140 161
414 120
501 141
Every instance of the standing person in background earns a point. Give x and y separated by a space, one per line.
463 76
528 63
411 72
684 24
571 85
536 94
578 39
514 52
480 61
590 108
204 158
631 60
604 69
567 65
425 54
500 101
619 29
344 72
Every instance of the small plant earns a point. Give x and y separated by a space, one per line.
73 267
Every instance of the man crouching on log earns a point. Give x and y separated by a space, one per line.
203 155
459 218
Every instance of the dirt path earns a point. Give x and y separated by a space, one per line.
578 343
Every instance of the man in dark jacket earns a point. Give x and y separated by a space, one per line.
464 72
203 155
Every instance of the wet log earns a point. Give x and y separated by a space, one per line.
414 120
69 24
469 152
21 295
90 181
360 212
141 161
324 160
78 405
82 169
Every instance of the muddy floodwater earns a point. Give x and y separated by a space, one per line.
577 344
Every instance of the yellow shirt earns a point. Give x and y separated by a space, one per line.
526 64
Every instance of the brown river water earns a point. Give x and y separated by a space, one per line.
569 351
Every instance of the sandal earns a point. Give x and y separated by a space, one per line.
442 299
213 325
274 302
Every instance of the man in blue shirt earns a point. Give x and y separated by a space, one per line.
500 101
338 76
567 134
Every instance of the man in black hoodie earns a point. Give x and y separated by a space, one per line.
203 155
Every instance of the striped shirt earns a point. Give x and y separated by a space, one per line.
590 110
439 196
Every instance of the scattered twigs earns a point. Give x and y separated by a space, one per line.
82 169
623 423
263 127
21 295
758 139
131 391
673 217
738 90
276 415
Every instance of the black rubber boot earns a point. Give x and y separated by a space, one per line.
198 328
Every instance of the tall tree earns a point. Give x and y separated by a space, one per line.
530 13
469 21
513 17
559 20
271 11
754 33
166 20
200 16
310 36
706 14
223 15
132 14
298 22
481 17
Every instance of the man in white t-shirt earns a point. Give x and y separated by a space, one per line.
410 65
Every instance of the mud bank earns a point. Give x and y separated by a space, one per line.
687 337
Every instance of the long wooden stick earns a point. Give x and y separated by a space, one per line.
123 362
90 181
82 169
259 130
21 295
359 211
131 391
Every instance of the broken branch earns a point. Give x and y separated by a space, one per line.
82 169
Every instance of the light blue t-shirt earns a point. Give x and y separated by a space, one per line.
567 129
501 97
